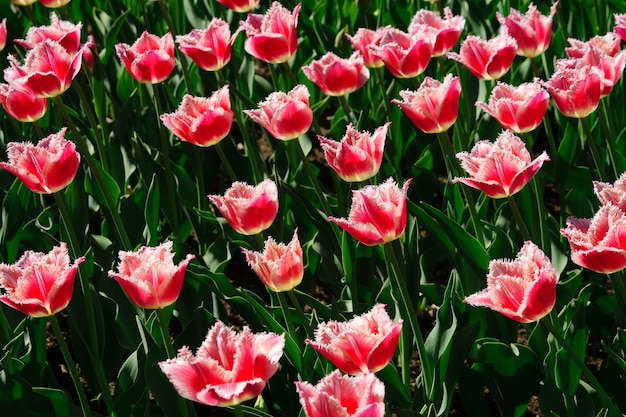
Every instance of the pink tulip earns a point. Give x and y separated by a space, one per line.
149 276
240 6
337 76
434 107
3 34
210 48
228 367
279 266
487 60
532 31
612 193
598 244
359 154
22 105
576 91
150 59
272 37
53 4
248 209
284 116
405 56
518 109
361 42
23 2
500 169
447 30
343 396
608 44
67 34
203 121
620 25
377 214
522 289
44 168
364 344
39 284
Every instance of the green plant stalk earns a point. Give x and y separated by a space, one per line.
595 154
518 217
350 117
284 307
225 161
619 286
179 55
296 304
380 77
99 139
610 137
238 410
290 74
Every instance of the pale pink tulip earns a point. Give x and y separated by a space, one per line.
23 2
608 43
447 30
532 30
337 76
620 25
149 276
405 56
240 6
614 193
361 42
576 91
487 60
22 105
500 169
67 34
39 284
209 48
522 289
150 59
228 367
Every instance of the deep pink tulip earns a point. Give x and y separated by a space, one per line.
272 37
532 31
150 59
614 193
343 396
22 105
576 91
44 168
500 169
67 34
405 56
364 344
598 244
361 42
3 34
209 48
337 76
359 154
280 267
39 284
447 30
53 4
248 209
487 60
518 109
228 367
522 289
434 107
149 276
377 214
284 116
203 121
240 6
620 25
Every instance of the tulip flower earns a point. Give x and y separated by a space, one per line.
279 266
272 37
405 56
343 396
361 42
210 48
487 60
240 6
39 284
575 91
518 109
500 169
3 34
22 105
522 289
150 59
377 214
23 2
434 107
67 34
149 276
614 193
228 367
284 116
337 76
532 31
44 168
203 121
447 30
359 154
620 25
53 4
364 344
248 209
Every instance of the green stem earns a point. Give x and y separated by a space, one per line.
380 77
350 117
296 304
238 410
259 241
225 161
619 286
595 154
291 328
71 366
94 125
290 74
179 55
518 217
610 138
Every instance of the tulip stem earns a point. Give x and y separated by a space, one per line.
238 410
595 154
290 74
350 117
619 287
94 125
225 162
518 217
71 366
380 76
179 55
285 309
610 138
300 312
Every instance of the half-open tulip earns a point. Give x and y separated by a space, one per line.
66 33
285 116
337 76
23 2
522 289
343 396
405 56
359 154
576 91
203 121
518 109
248 209
620 25
150 59
209 48
487 59
502 168
377 214
447 30
364 344
240 6
434 107
280 267
614 193
149 276
228 368
44 168
22 105
361 42
3 34
532 30
39 284
272 37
